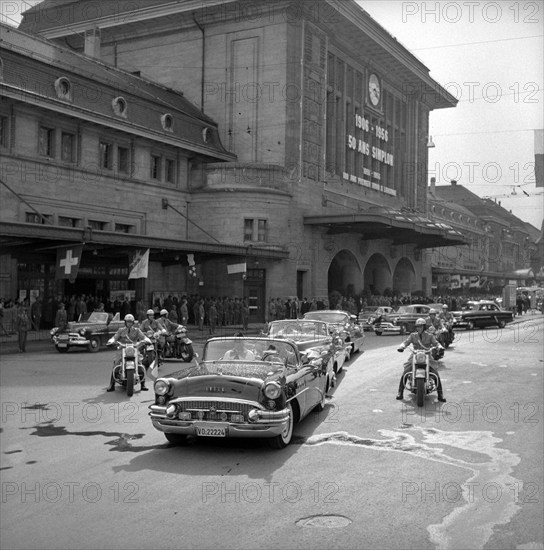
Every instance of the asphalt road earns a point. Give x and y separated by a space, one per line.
82 468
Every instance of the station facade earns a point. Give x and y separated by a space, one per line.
322 120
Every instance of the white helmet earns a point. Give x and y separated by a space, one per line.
129 317
431 311
420 322
445 306
150 312
164 312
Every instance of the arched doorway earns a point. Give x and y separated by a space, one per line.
345 274
377 274
404 277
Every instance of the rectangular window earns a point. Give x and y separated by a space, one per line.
69 222
248 230
122 228
68 149
155 167
46 141
105 151
3 131
261 231
34 217
122 160
96 225
255 230
170 171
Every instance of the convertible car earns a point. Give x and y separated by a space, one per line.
243 387
91 331
309 334
344 324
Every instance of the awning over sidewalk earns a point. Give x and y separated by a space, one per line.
16 237
396 225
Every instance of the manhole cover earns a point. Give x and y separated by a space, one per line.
329 522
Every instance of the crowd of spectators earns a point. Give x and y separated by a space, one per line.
216 312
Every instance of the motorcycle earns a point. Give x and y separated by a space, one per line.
184 346
129 371
420 380
150 351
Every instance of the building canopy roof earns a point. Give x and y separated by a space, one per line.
387 223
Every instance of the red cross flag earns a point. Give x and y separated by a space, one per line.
68 261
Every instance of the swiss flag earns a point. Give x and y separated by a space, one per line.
68 262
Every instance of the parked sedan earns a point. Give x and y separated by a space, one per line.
244 387
309 334
343 323
91 331
482 314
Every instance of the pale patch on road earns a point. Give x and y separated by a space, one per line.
471 524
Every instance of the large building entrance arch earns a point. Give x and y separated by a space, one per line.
377 274
404 277
345 274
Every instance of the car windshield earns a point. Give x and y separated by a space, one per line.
94 317
298 330
241 350
403 309
327 316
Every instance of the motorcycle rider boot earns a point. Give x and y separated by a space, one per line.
441 398
400 395
112 384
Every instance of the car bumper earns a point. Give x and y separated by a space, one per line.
70 342
388 327
265 423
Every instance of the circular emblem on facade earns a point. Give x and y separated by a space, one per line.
374 89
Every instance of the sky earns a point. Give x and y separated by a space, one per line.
490 56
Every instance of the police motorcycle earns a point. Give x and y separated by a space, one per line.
183 345
150 351
420 380
129 370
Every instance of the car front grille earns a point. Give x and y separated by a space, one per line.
213 410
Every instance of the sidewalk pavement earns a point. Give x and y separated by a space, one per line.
40 340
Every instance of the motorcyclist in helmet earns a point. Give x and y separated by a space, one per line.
433 320
150 324
420 339
165 322
129 334
447 319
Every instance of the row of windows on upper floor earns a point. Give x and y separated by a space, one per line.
255 229
61 145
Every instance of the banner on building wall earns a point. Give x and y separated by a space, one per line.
68 262
232 269
474 281
539 158
138 264
455 282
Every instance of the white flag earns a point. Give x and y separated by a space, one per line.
139 264
236 268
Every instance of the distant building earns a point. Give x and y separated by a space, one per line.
501 247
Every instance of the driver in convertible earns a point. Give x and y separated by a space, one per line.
239 352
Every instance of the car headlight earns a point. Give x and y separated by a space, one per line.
272 390
161 387
82 331
54 331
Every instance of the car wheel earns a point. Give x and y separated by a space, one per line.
502 323
176 439
94 345
282 440
61 350
471 325
378 332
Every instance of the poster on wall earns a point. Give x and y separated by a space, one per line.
34 294
22 295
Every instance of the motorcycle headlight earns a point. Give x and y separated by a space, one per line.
161 387
420 357
272 390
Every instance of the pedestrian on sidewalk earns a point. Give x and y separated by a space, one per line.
23 326
6 333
